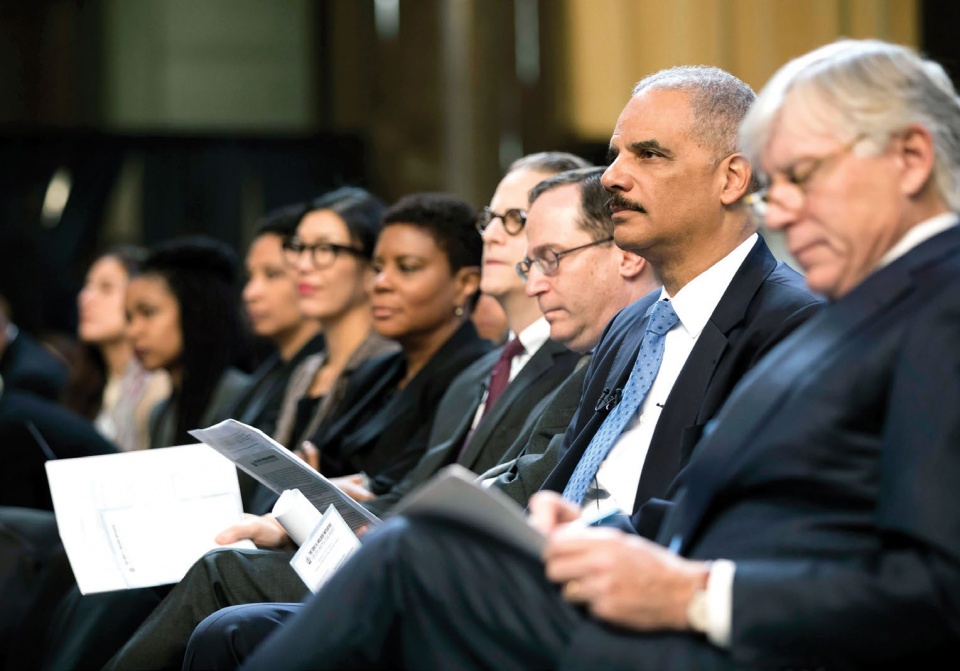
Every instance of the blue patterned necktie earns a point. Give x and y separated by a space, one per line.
662 318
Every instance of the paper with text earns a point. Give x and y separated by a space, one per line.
324 550
138 519
278 468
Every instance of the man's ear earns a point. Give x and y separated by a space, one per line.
631 265
918 155
736 172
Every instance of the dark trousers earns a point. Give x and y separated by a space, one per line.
45 623
218 579
426 594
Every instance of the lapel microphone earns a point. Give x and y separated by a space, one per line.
608 399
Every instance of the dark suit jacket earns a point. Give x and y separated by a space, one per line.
831 478
259 406
26 365
382 431
765 301
535 453
29 425
495 433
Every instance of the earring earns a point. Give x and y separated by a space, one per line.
458 311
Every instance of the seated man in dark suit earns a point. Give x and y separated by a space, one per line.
816 525
733 301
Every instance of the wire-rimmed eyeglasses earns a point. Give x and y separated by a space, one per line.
797 179
323 254
548 260
513 220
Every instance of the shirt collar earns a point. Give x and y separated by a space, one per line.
697 300
919 233
534 336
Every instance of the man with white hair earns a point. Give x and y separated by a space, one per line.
817 524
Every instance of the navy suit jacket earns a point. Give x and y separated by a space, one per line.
832 478
764 302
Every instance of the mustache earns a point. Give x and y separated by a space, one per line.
617 200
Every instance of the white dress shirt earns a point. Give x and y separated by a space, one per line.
619 473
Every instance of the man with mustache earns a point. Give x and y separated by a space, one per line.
676 183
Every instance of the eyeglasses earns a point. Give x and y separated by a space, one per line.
798 181
548 261
513 220
323 254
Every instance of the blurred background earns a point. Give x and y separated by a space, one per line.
133 121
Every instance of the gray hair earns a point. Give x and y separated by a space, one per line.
548 161
865 87
594 217
718 100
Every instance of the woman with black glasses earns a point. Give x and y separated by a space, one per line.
331 255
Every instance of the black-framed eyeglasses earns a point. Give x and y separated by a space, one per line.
323 254
797 180
513 220
548 260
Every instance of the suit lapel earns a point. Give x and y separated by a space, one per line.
535 368
687 401
471 403
732 446
612 372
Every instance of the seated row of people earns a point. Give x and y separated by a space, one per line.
613 435
567 216
816 523
368 409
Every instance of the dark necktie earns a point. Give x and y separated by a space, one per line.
500 375
499 379
661 319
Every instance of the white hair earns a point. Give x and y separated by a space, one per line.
865 87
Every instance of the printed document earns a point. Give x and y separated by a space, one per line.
278 468
137 519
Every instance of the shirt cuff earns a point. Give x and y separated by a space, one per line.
719 594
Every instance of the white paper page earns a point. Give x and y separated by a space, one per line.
137 519
455 494
323 552
278 468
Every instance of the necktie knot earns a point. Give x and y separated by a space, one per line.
662 317
512 349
